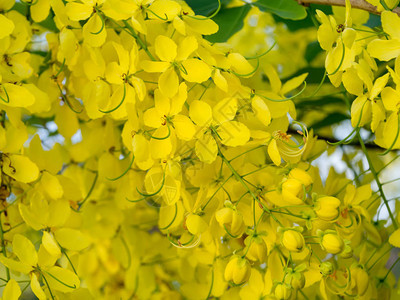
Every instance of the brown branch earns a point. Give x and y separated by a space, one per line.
360 4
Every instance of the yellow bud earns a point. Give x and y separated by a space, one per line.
282 291
326 268
291 188
298 281
347 252
237 270
332 243
224 216
293 240
328 208
257 250
301 176
361 280
237 226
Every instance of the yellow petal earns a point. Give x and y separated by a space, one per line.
21 168
186 47
12 291
6 25
390 99
36 289
195 70
233 133
261 110
239 64
273 153
169 83
225 110
25 250
205 27
394 238
166 48
391 24
195 224
154 66
200 112
18 96
293 83
384 49
206 148
378 86
184 127
50 244
15 265
40 10
72 239
70 279
78 11
220 80
93 26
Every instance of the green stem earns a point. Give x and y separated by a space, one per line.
390 269
375 262
3 246
376 177
139 40
240 179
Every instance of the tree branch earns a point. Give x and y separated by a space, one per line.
360 4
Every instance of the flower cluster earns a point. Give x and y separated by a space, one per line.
140 160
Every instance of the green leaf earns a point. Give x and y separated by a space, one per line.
230 21
312 50
332 118
287 9
205 7
314 74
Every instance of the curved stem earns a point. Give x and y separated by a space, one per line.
173 219
262 54
395 139
90 191
209 17
8 98
103 23
126 171
378 182
118 106
286 99
58 280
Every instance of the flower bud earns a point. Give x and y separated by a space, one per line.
257 249
328 208
283 291
301 176
291 189
224 215
332 243
347 252
298 280
237 270
361 280
326 268
232 220
293 240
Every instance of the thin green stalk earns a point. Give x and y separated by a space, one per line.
3 246
390 269
139 40
378 182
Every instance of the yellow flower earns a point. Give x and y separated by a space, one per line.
331 242
387 49
327 208
293 240
282 291
237 270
